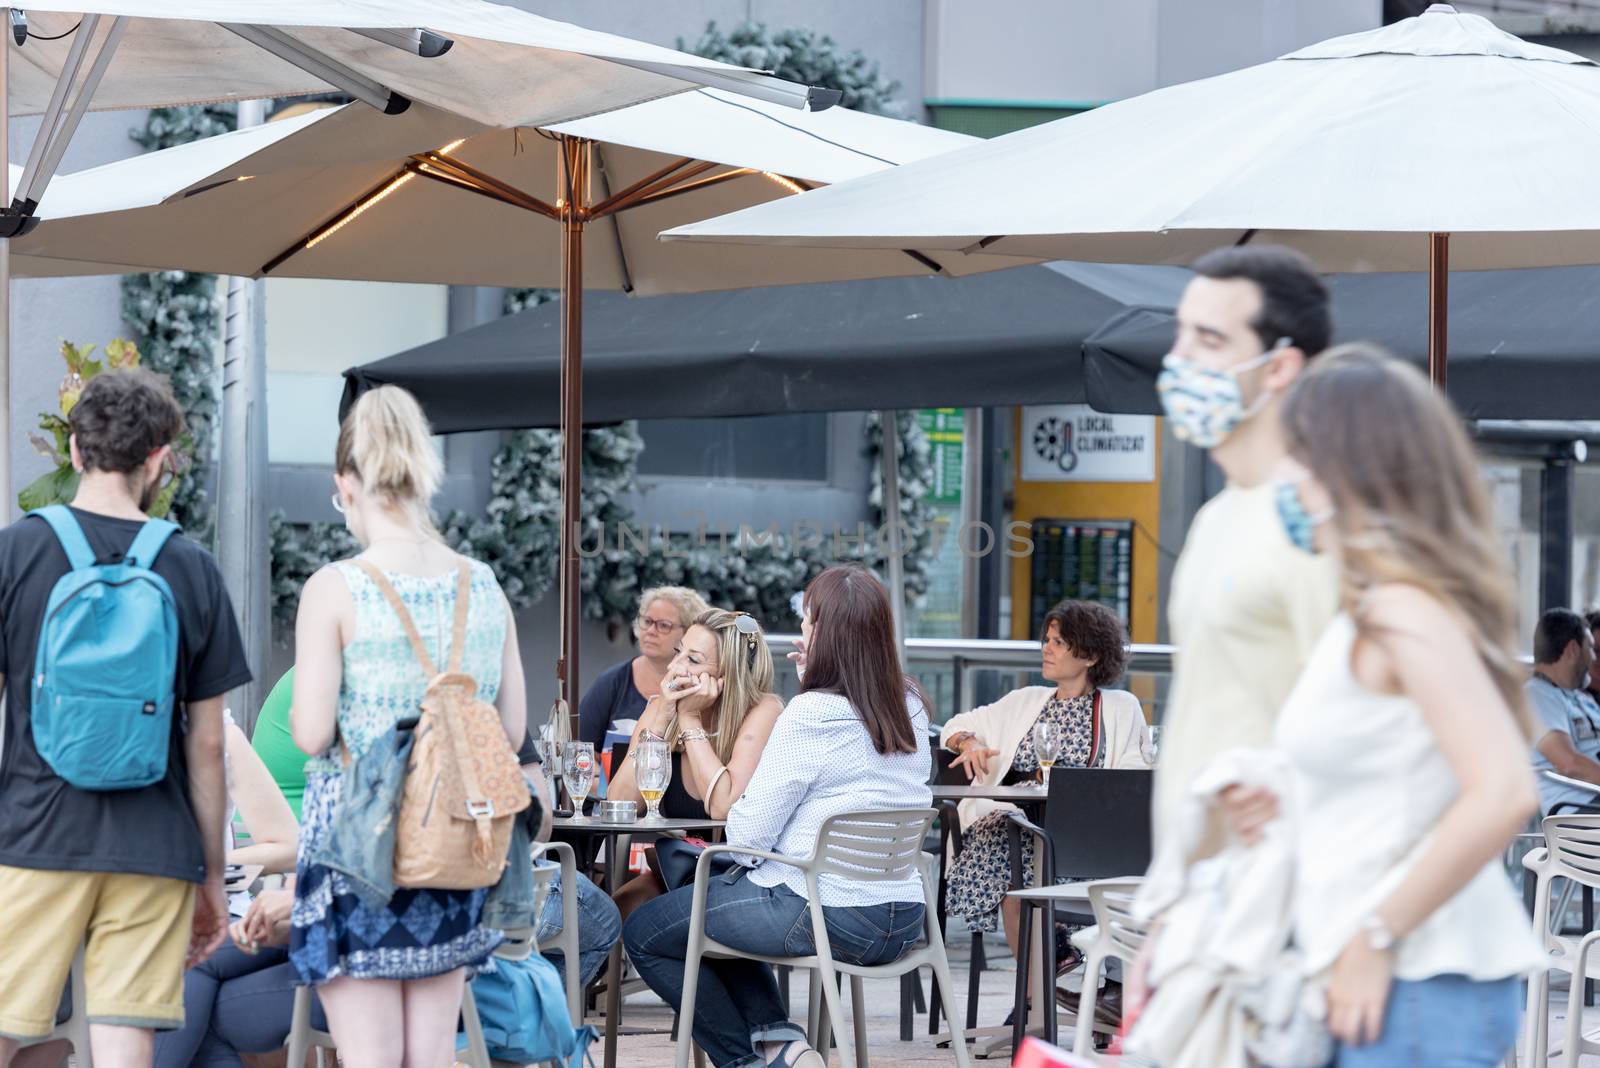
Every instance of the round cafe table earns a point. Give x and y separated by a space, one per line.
569 827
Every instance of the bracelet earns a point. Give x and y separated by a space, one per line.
954 744
694 735
713 787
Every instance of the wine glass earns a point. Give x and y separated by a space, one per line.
652 768
577 759
1153 752
1047 744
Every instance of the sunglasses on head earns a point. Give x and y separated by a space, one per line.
746 624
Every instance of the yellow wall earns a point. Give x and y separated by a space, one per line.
1138 501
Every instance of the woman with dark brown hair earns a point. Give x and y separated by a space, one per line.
854 739
1083 650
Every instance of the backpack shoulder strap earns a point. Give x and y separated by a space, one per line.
392 595
458 633
69 534
151 539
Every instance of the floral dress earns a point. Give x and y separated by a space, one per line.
981 874
421 932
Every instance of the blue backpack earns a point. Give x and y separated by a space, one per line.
108 656
522 1008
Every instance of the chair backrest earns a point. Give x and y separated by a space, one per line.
1098 821
943 773
1574 844
873 847
518 944
1112 903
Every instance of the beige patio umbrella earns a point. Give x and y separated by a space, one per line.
428 197
1440 141
489 62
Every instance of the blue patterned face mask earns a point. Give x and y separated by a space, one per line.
1204 404
1299 524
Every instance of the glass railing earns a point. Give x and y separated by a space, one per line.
958 674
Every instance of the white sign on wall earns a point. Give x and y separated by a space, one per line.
1075 443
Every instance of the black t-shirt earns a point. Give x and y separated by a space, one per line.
612 697
49 824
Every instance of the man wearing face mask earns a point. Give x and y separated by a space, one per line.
1248 599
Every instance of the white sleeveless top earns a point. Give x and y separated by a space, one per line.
1371 784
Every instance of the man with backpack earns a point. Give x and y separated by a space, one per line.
118 644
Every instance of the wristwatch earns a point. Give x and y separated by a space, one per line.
1379 937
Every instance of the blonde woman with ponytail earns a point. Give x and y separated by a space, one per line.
1406 735
389 978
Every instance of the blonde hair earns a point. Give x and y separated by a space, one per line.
387 444
1410 504
688 603
747 674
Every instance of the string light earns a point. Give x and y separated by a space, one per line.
374 200
360 210
788 183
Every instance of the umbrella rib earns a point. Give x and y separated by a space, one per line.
616 223
471 174
651 183
690 187
458 182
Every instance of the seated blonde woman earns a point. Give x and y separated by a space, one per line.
1083 649
716 711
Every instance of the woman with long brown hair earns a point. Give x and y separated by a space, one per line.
854 739
1406 735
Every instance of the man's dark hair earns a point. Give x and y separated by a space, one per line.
1558 628
122 417
1294 300
1592 617
1092 632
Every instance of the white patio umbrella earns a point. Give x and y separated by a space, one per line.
1438 141
487 61
428 197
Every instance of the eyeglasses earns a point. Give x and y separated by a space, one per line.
660 626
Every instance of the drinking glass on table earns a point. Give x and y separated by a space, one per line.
652 769
578 762
1153 752
1047 745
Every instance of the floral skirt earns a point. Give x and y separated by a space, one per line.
981 874
417 935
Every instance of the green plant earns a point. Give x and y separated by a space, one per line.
802 55
60 484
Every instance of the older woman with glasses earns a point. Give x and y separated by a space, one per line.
621 692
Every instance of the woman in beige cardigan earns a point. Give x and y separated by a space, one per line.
1083 649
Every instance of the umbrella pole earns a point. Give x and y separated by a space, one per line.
894 567
572 155
1438 308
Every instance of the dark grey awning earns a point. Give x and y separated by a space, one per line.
996 339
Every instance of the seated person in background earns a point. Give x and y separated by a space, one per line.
275 745
239 1001
1566 721
1083 649
716 711
620 693
599 924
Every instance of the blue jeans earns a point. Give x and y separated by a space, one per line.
737 1005
599 925
233 1003
1448 1021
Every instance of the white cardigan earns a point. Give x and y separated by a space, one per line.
1003 724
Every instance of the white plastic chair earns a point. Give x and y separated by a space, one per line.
866 847
520 944
1115 934
75 1028
1571 851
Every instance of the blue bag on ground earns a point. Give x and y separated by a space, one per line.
523 1009
108 657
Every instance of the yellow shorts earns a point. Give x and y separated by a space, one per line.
135 931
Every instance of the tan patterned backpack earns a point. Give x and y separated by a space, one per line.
463 785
